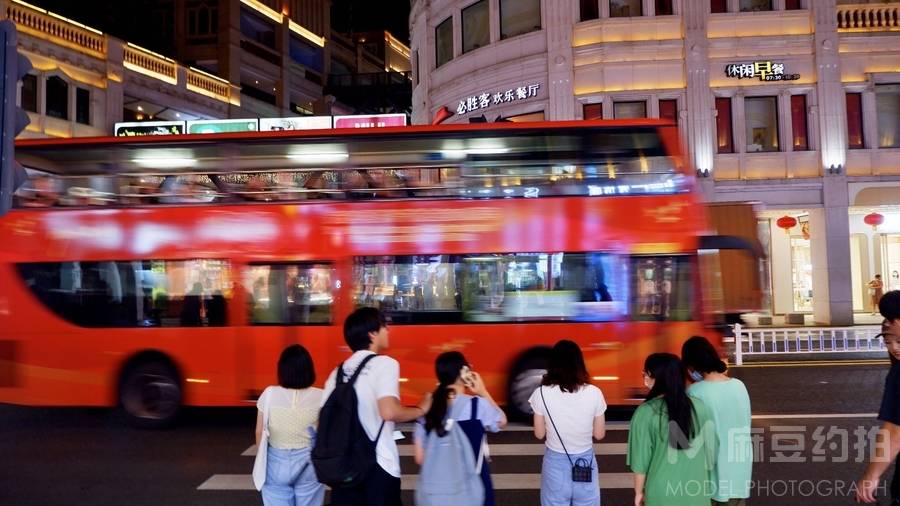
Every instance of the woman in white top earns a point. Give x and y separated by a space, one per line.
291 409
575 411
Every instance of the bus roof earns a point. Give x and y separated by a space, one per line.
412 146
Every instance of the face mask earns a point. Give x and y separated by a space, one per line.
696 376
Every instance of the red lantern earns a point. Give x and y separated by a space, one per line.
787 223
874 219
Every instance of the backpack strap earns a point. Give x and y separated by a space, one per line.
339 375
474 408
359 368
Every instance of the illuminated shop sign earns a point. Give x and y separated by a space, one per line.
295 123
141 128
218 126
485 100
765 70
370 121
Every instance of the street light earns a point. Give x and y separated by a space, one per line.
13 67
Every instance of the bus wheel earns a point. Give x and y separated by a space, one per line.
150 395
525 378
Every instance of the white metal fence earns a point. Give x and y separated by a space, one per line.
805 340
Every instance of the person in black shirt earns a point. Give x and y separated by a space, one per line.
889 414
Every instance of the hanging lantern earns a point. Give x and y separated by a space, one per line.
787 223
874 219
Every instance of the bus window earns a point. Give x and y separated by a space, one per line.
141 293
542 286
289 294
662 287
409 289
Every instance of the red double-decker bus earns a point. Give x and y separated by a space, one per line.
157 272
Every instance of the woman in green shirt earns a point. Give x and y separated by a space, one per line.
729 404
671 440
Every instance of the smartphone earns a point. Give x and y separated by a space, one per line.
465 374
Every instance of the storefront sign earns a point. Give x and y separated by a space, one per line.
765 70
485 100
370 121
140 128
301 123
217 126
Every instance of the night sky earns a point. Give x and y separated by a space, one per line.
124 19
370 15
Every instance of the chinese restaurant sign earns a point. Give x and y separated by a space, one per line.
765 70
485 100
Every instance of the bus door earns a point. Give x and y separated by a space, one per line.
287 303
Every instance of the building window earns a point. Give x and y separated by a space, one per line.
664 8
625 8
725 139
798 123
593 111
718 6
257 29
792 5
526 117
307 53
202 19
761 123
589 9
668 110
518 17
443 42
887 106
475 27
29 93
628 110
855 138
57 91
755 5
83 106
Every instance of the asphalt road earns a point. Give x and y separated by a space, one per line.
809 422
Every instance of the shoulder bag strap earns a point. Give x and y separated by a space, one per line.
554 426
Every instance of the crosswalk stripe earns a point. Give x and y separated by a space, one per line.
502 481
504 450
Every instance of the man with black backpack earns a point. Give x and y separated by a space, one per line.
355 452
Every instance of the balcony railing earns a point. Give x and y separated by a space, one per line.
38 23
869 17
211 86
150 63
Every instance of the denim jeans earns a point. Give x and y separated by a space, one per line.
291 479
557 487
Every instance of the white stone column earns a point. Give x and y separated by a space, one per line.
114 92
831 101
830 243
699 102
558 21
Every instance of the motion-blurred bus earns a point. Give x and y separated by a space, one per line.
162 271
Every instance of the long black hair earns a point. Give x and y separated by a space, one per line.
447 367
699 354
668 376
566 367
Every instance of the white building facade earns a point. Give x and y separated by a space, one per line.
794 104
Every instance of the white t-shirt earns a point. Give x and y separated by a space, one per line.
380 378
573 413
291 413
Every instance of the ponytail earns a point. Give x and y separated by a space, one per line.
434 418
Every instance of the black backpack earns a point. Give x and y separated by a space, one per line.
343 455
